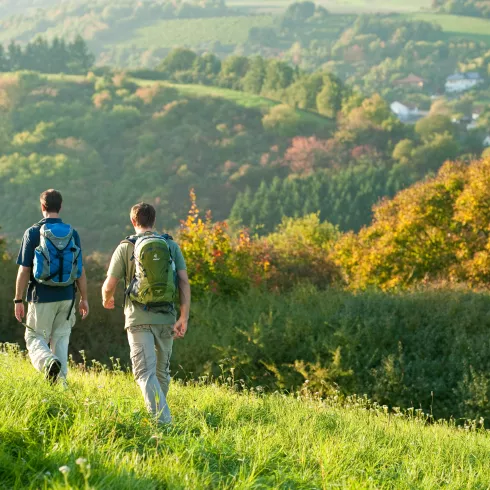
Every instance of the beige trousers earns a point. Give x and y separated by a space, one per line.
49 333
151 349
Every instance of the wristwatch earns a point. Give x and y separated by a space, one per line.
18 301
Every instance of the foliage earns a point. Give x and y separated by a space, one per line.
434 230
343 197
472 8
42 56
216 261
299 252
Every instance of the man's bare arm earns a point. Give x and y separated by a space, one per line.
108 290
180 328
23 276
82 286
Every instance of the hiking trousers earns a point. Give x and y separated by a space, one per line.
151 349
49 333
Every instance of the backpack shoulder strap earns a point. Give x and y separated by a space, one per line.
130 239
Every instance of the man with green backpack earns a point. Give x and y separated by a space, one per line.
153 269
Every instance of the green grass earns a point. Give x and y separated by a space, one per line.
352 6
219 439
458 26
243 99
192 32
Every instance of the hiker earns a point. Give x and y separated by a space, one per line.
153 268
50 266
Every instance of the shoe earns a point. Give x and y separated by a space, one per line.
53 370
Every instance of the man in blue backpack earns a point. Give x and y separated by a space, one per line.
50 266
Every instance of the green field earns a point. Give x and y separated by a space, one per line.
458 26
350 6
192 32
98 432
243 99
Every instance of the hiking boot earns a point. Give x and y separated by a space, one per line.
53 370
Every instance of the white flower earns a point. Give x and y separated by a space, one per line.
64 469
81 461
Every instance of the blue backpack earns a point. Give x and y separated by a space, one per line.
57 259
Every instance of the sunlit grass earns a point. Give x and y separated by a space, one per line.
192 32
221 438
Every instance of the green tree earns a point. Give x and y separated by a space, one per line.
254 79
180 59
278 76
329 100
429 126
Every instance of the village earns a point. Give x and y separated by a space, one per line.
470 85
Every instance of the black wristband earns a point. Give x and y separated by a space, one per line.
18 301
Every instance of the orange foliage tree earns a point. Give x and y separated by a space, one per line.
437 229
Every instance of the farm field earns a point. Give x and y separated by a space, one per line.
100 436
348 6
192 32
459 26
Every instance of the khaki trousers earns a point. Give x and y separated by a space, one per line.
151 348
49 333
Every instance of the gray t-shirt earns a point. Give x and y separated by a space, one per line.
122 267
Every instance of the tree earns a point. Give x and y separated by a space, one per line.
329 100
81 60
283 120
279 75
180 59
429 126
254 78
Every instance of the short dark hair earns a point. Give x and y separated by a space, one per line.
143 215
51 201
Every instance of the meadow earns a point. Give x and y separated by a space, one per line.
192 32
97 434
458 26
347 6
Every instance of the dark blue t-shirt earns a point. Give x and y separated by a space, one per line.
40 293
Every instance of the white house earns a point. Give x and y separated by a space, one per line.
460 82
404 111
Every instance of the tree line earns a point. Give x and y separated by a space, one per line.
56 56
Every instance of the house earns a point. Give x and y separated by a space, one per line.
405 112
477 112
460 82
411 81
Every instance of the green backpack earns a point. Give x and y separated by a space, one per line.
154 284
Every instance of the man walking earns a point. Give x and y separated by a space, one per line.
153 268
50 266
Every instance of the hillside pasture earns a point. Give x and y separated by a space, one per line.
337 6
97 434
458 26
193 32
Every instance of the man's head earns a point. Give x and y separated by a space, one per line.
143 216
51 201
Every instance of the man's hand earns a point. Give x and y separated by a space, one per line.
180 328
83 308
19 312
108 304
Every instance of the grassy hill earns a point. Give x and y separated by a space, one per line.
220 438
192 32
459 26
148 140
349 6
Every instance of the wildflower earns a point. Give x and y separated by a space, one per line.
64 469
81 461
